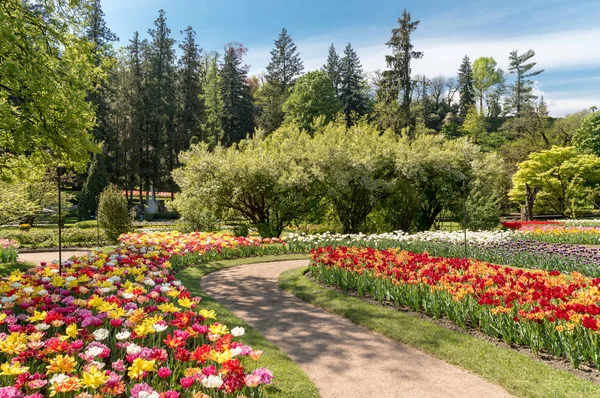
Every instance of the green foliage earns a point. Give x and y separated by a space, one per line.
212 125
238 106
587 136
486 75
95 183
475 124
466 89
351 91
240 230
269 101
333 68
563 175
313 97
263 180
285 65
114 216
521 91
46 71
486 191
49 237
86 224
356 169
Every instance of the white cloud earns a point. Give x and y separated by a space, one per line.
572 49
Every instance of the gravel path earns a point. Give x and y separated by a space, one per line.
343 359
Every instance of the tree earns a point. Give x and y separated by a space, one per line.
238 106
475 124
521 90
333 68
563 177
161 145
285 65
587 136
399 75
264 180
96 182
269 101
213 114
313 97
486 75
191 107
351 93
356 169
113 213
465 83
47 69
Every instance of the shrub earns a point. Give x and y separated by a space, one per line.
86 224
240 230
114 215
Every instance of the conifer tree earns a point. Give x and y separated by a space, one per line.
285 65
161 102
95 183
351 94
466 90
213 112
191 109
332 67
238 106
398 77
521 90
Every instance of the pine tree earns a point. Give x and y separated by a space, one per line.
466 90
285 65
269 102
95 183
102 38
238 106
332 67
191 108
213 113
137 138
521 90
161 102
398 77
351 94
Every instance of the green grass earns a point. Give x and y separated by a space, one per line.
7 268
290 381
517 373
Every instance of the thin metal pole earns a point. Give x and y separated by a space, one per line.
58 170
465 216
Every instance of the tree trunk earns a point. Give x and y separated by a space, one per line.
527 209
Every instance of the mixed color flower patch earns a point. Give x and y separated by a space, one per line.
543 310
120 324
8 250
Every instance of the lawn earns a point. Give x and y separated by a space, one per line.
7 268
517 373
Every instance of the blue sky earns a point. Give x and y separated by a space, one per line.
564 34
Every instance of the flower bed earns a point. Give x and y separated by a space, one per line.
562 234
120 324
520 224
542 310
8 250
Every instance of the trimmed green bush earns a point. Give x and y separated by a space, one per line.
113 213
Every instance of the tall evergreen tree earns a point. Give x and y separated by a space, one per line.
100 95
465 83
269 104
521 90
212 124
351 93
238 106
161 102
137 138
398 77
285 65
332 67
95 183
191 108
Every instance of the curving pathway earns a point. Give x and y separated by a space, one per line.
343 359
48 257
